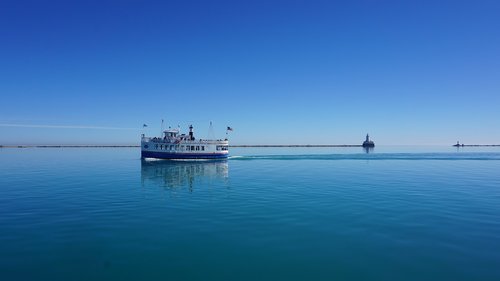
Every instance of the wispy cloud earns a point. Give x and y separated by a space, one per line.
66 127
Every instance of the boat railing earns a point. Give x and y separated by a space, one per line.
177 141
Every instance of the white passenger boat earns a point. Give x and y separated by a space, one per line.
174 145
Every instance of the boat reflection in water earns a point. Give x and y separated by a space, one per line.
171 174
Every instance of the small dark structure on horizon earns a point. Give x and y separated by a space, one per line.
368 142
458 144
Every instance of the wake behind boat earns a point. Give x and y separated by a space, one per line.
174 145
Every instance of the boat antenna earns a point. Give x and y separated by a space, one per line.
161 132
211 134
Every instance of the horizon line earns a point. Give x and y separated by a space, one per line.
235 145
91 127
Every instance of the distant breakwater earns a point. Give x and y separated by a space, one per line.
64 146
475 145
297 145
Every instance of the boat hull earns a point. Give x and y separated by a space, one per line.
167 155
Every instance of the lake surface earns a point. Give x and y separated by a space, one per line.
394 213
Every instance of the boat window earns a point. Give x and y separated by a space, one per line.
202 147
187 147
156 146
182 147
192 147
197 147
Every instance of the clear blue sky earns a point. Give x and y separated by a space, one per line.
315 72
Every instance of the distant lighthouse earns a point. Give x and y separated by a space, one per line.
368 142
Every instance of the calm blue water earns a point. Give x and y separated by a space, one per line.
396 213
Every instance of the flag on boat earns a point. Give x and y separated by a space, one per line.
229 128
144 125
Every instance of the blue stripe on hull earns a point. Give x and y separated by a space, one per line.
166 155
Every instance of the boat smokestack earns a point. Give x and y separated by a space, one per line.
191 136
